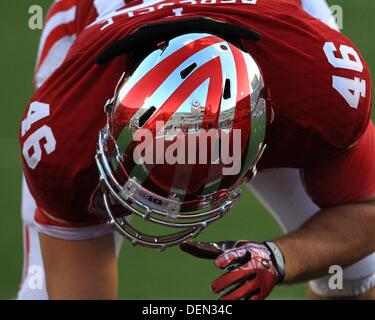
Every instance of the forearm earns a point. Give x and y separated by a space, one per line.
336 236
81 269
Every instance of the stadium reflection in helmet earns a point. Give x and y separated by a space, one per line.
170 140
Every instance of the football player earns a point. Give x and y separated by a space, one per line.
297 90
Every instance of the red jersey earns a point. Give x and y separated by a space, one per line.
319 83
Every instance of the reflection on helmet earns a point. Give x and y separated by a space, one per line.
184 129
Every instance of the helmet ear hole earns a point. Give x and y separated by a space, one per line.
146 116
184 73
227 93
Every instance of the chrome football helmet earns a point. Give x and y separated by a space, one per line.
194 87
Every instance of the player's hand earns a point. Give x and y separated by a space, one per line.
252 270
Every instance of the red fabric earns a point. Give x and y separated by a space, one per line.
61 30
58 33
46 219
346 177
58 6
312 120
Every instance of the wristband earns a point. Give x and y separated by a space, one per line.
278 260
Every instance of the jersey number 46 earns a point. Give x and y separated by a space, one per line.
351 89
32 149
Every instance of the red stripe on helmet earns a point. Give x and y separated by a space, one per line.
153 79
243 109
162 177
210 70
149 84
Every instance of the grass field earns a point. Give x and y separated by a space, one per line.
144 274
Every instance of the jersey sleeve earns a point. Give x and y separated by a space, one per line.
65 20
59 133
58 36
60 126
344 178
317 77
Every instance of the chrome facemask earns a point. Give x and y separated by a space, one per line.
136 200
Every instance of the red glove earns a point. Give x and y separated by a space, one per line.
253 269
